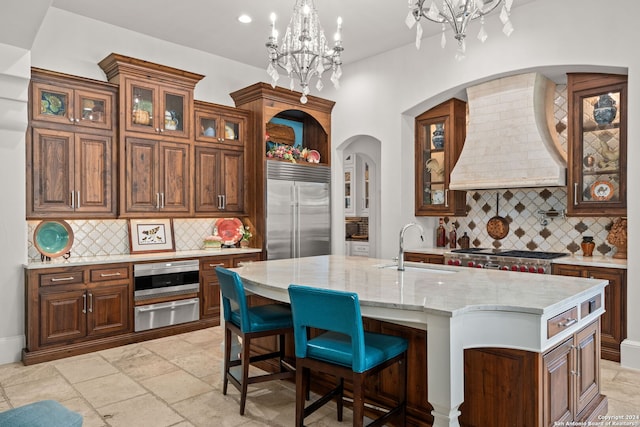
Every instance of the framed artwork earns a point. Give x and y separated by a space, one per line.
151 235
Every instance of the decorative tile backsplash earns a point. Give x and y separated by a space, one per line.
526 231
111 237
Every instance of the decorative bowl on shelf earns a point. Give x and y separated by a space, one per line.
53 238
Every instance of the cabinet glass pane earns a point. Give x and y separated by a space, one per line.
142 106
601 148
231 130
93 110
434 164
209 127
53 103
174 113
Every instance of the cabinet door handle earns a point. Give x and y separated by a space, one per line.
224 202
78 200
219 201
446 198
110 274
157 200
62 279
73 199
568 322
90 302
575 194
84 303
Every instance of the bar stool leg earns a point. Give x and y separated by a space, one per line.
246 354
302 387
358 400
227 358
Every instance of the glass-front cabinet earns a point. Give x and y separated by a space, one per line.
440 134
157 109
597 144
64 105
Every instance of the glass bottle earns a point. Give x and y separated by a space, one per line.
587 245
453 238
441 234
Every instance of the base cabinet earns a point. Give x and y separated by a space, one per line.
209 285
613 323
75 304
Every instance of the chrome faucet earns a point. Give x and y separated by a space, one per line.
401 250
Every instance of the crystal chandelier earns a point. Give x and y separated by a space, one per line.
304 52
458 14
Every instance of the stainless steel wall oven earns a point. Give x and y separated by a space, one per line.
174 283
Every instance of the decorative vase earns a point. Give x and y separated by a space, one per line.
438 136
244 243
604 110
587 245
618 237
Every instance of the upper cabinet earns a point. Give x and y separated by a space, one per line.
71 168
154 99
597 144
156 142
440 135
220 183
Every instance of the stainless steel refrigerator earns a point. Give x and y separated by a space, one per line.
298 210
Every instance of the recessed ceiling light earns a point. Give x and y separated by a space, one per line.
244 18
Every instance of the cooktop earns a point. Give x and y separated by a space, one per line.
511 253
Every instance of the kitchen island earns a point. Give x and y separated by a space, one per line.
551 320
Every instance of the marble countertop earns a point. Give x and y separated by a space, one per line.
592 261
437 289
111 259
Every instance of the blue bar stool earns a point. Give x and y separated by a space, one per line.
342 350
249 323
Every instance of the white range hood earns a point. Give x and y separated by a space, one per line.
511 140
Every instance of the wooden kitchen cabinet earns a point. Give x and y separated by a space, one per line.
357 185
71 165
70 174
440 134
156 112
209 285
57 98
422 257
220 157
571 377
70 305
157 178
597 145
219 180
613 323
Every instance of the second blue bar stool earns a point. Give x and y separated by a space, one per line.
344 351
249 323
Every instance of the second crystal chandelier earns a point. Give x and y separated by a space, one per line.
458 14
304 52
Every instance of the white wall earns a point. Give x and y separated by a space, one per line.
388 91
378 97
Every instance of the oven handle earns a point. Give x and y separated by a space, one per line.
164 307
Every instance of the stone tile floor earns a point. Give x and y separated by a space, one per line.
176 381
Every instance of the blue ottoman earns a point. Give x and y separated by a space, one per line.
46 413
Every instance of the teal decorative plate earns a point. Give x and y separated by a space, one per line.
53 238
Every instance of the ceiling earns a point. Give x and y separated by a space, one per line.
370 27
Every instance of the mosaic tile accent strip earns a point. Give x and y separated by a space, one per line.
111 237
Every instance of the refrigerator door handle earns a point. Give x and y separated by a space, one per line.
294 219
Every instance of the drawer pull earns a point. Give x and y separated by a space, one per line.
216 265
568 322
110 274
62 279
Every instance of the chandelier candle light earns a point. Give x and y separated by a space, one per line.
304 53
458 14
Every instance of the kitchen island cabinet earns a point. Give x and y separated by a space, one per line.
485 323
